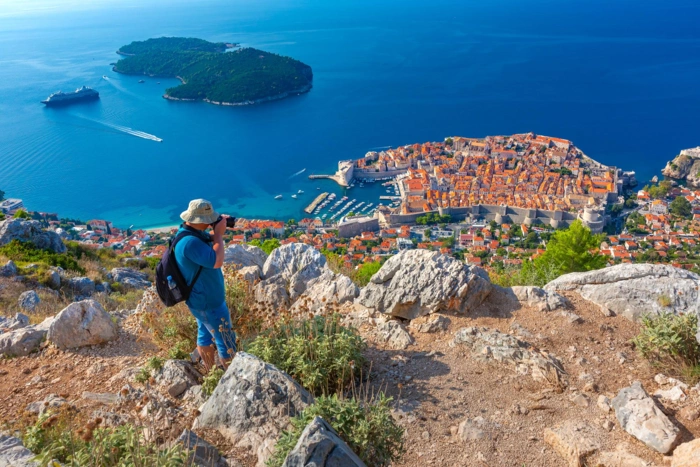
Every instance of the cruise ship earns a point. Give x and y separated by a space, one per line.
64 98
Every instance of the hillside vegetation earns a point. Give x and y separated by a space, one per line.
243 76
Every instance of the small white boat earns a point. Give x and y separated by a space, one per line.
300 191
278 197
104 77
294 196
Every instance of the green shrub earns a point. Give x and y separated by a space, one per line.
174 326
143 375
211 381
180 351
668 341
319 353
92 446
367 427
26 252
155 363
365 272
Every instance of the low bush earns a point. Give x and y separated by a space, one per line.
248 317
180 351
211 380
26 252
173 326
668 341
319 353
92 446
366 426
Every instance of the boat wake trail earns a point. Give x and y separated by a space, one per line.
132 132
298 173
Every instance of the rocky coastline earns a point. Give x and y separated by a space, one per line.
685 166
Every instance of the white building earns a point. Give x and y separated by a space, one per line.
10 205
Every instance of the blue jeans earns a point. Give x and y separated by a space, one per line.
214 326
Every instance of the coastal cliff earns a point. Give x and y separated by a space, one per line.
685 166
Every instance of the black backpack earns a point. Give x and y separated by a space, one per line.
175 290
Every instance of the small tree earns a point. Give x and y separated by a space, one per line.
681 207
22 214
570 250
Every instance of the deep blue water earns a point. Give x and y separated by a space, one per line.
620 79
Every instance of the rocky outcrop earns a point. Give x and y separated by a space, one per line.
80 324
325 292
573 440
414 283
320 446
394 334
252 404
150 303
30 231
81 286
491 345
245 255
639 416
685 166
176 377
536 297
687 454
29 300
24 340
296 275
130 278
10 324
250 274
634 290
14 454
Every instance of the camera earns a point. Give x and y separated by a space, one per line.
230 221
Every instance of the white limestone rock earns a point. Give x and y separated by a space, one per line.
320 446
573 440
639 416
82 286
325 292
415 283
244 256
14 454
30 231
24 340
80 324
9 269
252 404
536 297
634 290
29 300
395 335
130 278
250 274
177 376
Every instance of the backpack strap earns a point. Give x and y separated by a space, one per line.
188 232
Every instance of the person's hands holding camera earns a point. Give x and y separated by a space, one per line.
220 228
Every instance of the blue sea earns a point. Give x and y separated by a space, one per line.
618 78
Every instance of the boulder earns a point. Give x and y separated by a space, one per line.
245 255
252 404
435 324
201 453
635 290
30 231
250 273
395 335
14 454
29 300
83 286
536 297
639 416
80 324
573 440
687 454
273 293
10 324
9 269
130 278
414 283
325 292
177 376
25 340
320 446
292 260
53 279
494 346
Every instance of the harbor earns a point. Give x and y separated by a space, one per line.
315 203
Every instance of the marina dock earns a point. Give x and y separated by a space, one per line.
319 199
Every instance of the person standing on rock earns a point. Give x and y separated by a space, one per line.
207 301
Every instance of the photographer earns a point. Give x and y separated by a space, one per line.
203 253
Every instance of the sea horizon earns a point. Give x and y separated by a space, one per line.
619 81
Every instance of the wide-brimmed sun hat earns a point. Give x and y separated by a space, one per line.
200 211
